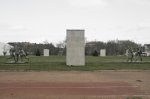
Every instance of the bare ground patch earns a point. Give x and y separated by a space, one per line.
100 82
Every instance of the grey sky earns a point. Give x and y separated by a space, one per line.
40 20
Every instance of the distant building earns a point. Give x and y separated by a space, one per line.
5 48
147 49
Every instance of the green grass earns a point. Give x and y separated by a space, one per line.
57 63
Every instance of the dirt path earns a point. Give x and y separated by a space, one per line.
75 85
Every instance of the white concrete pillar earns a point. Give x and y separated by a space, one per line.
46 52
75 48
103 52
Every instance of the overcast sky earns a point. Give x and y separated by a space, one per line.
103 20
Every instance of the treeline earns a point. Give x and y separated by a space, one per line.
36 49
113 47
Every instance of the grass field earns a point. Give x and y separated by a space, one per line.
57 63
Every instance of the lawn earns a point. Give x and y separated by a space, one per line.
57 63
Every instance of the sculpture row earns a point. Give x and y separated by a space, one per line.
18 56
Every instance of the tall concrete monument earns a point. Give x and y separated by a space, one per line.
75 48
46 52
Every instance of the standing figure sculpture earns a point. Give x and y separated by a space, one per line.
17 55
23 55
129 55
12 54
138 55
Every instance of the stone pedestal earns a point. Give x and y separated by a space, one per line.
75 48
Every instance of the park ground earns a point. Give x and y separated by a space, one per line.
105 84
58 63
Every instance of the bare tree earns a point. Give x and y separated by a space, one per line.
61 47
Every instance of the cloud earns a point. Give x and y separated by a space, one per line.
6 27
143 28
142 2
17 27
87 3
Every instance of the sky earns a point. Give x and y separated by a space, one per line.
37 21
